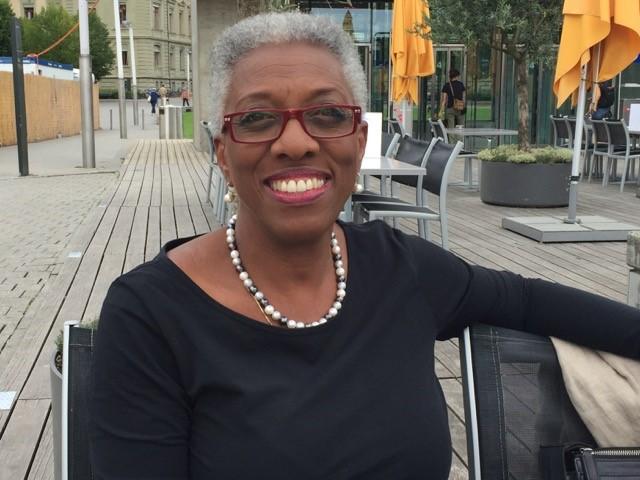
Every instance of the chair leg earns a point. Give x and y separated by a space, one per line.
444 232
624 173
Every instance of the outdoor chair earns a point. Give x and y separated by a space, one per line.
620 148
388 148
600 147
586 146
77 359
396 127
220 207
515 403
439 130
561 134
438 160
409 150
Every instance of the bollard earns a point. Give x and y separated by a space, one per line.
143 119
110 119
633 260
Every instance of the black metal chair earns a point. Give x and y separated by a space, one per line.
620 148
396 127
515 403
439 130
220 208
438 160
561 135
77 358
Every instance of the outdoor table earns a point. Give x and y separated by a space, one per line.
383 166
478 132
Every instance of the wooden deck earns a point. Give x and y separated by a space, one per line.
160 195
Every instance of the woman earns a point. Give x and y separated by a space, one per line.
290 345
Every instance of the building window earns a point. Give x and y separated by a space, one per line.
125 58
28 12
156 16
180 18
123 12
171 59
156 56
170 22
182 59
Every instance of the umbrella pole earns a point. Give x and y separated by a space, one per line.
577 148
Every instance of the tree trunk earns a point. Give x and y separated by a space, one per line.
522 85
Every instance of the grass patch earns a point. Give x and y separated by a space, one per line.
187 124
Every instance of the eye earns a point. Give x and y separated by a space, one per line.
329 113
257 118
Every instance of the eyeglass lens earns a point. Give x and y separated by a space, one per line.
323 122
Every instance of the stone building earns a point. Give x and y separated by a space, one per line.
162 38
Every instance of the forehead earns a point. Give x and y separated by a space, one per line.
286 74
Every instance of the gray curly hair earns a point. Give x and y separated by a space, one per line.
270 28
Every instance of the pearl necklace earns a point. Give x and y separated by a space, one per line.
269 310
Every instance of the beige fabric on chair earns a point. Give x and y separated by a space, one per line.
605 391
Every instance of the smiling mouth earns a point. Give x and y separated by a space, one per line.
297 185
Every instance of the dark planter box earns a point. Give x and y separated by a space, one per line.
525 184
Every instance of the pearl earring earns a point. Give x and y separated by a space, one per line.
230 196
358 187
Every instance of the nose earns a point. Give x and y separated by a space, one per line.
294 141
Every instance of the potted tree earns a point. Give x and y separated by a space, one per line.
538 177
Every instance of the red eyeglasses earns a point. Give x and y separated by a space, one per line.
318 121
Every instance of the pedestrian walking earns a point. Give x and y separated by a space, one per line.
185 94
152 98
162 91
452 101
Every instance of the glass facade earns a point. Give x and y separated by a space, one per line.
489 76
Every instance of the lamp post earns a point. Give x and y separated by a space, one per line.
188 73
122 106
86 89
134 80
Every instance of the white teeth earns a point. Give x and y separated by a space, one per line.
296 186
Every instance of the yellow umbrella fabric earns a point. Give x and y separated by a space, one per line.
411 55
614 24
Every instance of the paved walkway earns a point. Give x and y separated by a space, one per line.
41 212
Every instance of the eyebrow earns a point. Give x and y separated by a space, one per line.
314 95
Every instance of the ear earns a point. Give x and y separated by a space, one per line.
221 157
361 139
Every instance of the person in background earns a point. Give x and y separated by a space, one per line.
452 100
152 97
602 101
184 94
163 94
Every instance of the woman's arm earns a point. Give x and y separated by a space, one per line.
140 416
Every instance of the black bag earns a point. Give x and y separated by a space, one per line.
581 462
607 463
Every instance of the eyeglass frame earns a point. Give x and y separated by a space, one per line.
288 114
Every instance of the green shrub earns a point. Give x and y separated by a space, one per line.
510 153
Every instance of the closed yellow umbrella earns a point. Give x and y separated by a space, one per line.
610 27
603 35
411 55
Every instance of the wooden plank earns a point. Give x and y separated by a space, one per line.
165 179
153 234
19 440
147 182
156 187
177 182
137 239
448 354
42 467
184 223
112 262
167 224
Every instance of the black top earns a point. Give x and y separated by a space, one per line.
607 96
458 89
186 388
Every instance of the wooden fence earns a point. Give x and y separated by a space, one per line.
53 108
